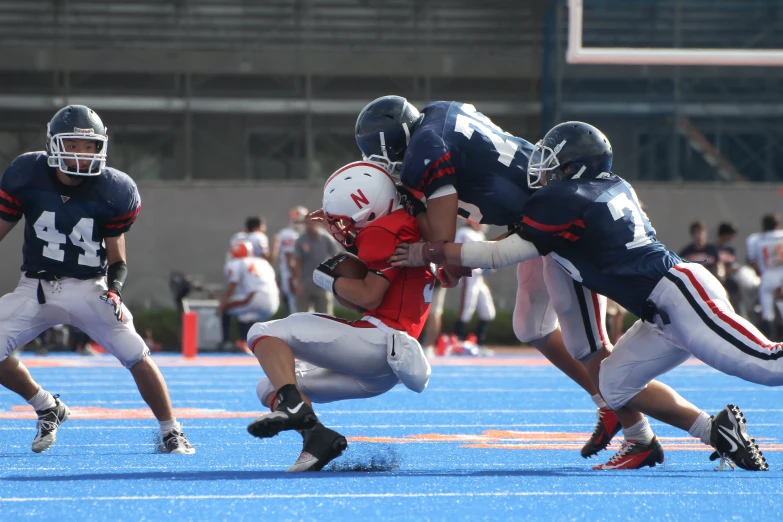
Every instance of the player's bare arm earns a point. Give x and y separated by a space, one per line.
5 227
439 222
366 293
222 305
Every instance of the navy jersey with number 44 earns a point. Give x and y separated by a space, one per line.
455 145
596 229
65 226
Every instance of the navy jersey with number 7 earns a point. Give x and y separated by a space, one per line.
455 145
65 226
596 229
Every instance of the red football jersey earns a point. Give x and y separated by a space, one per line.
407 301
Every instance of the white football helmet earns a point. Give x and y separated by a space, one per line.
356 195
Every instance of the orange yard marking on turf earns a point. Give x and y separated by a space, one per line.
538 440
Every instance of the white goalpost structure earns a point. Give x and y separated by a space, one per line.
577 54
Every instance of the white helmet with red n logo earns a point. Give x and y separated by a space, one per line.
356 195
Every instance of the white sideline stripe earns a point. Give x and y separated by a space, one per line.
488 494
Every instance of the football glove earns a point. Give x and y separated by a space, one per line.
324 276
113 298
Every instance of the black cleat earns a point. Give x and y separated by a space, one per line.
48 423
730 439
321 446
607 426
291 413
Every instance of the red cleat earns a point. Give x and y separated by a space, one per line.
633 455
607 427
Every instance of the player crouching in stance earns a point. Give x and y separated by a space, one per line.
76 213
590 221
347 360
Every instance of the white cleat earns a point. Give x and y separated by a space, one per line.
48 423
177 443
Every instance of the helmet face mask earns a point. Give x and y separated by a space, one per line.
543 162
76 122
342 228
70 163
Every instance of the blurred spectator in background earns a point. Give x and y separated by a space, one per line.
474 292
255 233
283 248
434 324
252 294
768 255
727 259
699 251
311 249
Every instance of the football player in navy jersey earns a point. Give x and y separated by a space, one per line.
77 211
590 221
466 165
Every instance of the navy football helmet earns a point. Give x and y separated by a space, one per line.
76 122
570 150
383 129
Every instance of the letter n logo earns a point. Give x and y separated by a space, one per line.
358 197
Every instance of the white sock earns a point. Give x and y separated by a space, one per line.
168 426
640 432
599 401
702 427
42 400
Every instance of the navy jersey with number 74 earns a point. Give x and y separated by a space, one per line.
455 145
65 226
596 229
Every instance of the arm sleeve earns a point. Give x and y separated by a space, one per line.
428 166
10 194
124 213
376 245
550 224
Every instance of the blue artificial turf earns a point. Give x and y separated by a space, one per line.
483 442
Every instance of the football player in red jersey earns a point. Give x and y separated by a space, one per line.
338 359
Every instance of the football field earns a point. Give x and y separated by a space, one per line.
494 438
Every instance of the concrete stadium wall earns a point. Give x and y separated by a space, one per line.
186 227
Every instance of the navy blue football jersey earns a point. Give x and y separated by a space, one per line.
455 145
596 229
65 226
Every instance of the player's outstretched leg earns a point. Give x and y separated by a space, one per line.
155 393
320 446
729 437
50 410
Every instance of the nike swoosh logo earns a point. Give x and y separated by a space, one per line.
730 436
294 411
